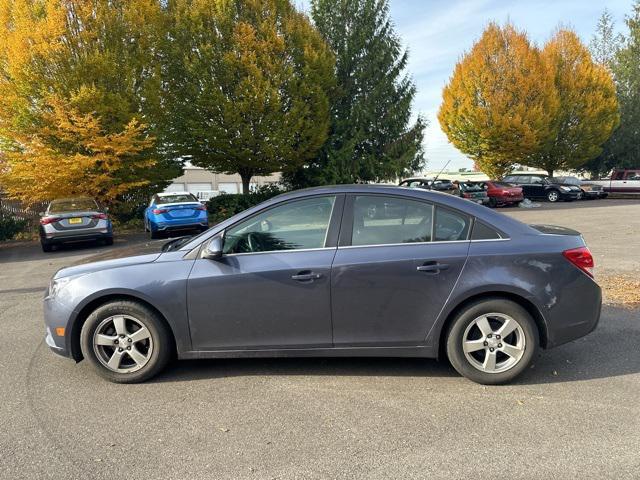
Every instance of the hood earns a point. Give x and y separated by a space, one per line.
119 257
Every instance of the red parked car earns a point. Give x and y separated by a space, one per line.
501 193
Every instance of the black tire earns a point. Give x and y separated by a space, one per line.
108 241
553 196
46 247
159 356
457 329
154 235
492 202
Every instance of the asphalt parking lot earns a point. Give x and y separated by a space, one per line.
575 414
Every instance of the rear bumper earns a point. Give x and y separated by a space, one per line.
77 236
506 200
571 319
182 224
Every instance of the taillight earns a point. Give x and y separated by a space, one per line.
48 220
158 211
99 216
581 258
466 195
201 207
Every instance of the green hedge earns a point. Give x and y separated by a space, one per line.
10 227
227 205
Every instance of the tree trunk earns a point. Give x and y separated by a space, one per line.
246 179
550 171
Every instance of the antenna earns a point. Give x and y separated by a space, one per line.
445 166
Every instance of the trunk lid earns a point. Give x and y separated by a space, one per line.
555 230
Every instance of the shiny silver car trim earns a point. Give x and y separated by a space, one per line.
279 251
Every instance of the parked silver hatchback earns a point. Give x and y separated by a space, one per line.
72 220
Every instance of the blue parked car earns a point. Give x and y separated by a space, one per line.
174 211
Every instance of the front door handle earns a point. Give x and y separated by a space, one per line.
306 276
432 267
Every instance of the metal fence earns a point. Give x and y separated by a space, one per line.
15 209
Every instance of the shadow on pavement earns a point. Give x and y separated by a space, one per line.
610 351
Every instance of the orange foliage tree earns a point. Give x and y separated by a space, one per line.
79 89
588 111
500 102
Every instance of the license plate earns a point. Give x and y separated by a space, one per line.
75 221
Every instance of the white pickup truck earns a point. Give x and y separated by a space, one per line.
621 181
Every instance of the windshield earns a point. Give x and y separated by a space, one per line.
470 187
178 198
176 243
73 205
569 180
502 184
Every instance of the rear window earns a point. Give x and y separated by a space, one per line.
178 198
483 232
470 187
73 205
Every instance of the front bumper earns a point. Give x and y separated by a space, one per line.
57 313
570 195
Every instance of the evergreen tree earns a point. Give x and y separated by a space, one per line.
372 135
623 147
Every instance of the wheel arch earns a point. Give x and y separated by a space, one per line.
91 305
529 306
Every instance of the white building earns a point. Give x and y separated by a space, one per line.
196 179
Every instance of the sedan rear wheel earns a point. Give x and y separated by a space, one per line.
126 342
492 341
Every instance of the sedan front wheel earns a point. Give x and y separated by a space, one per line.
125 342
492 341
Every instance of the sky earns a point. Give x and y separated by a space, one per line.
438 32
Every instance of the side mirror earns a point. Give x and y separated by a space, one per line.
213 250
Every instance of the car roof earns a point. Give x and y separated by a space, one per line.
166 194
502 222
71 199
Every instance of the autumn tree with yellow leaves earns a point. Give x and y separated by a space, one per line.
499 105
587 112
509 102
79 98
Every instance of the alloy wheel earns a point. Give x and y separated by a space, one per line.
553 196
122 343
493 342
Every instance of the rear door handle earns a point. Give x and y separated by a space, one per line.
433 267
306 276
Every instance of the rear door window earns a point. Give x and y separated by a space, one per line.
383 220
451 226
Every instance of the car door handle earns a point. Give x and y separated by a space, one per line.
306 276
432 267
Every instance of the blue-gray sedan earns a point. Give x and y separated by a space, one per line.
334 271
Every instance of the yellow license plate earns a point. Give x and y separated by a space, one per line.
75 221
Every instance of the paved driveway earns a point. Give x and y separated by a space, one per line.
575 414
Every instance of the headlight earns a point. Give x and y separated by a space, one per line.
565 189
57 284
